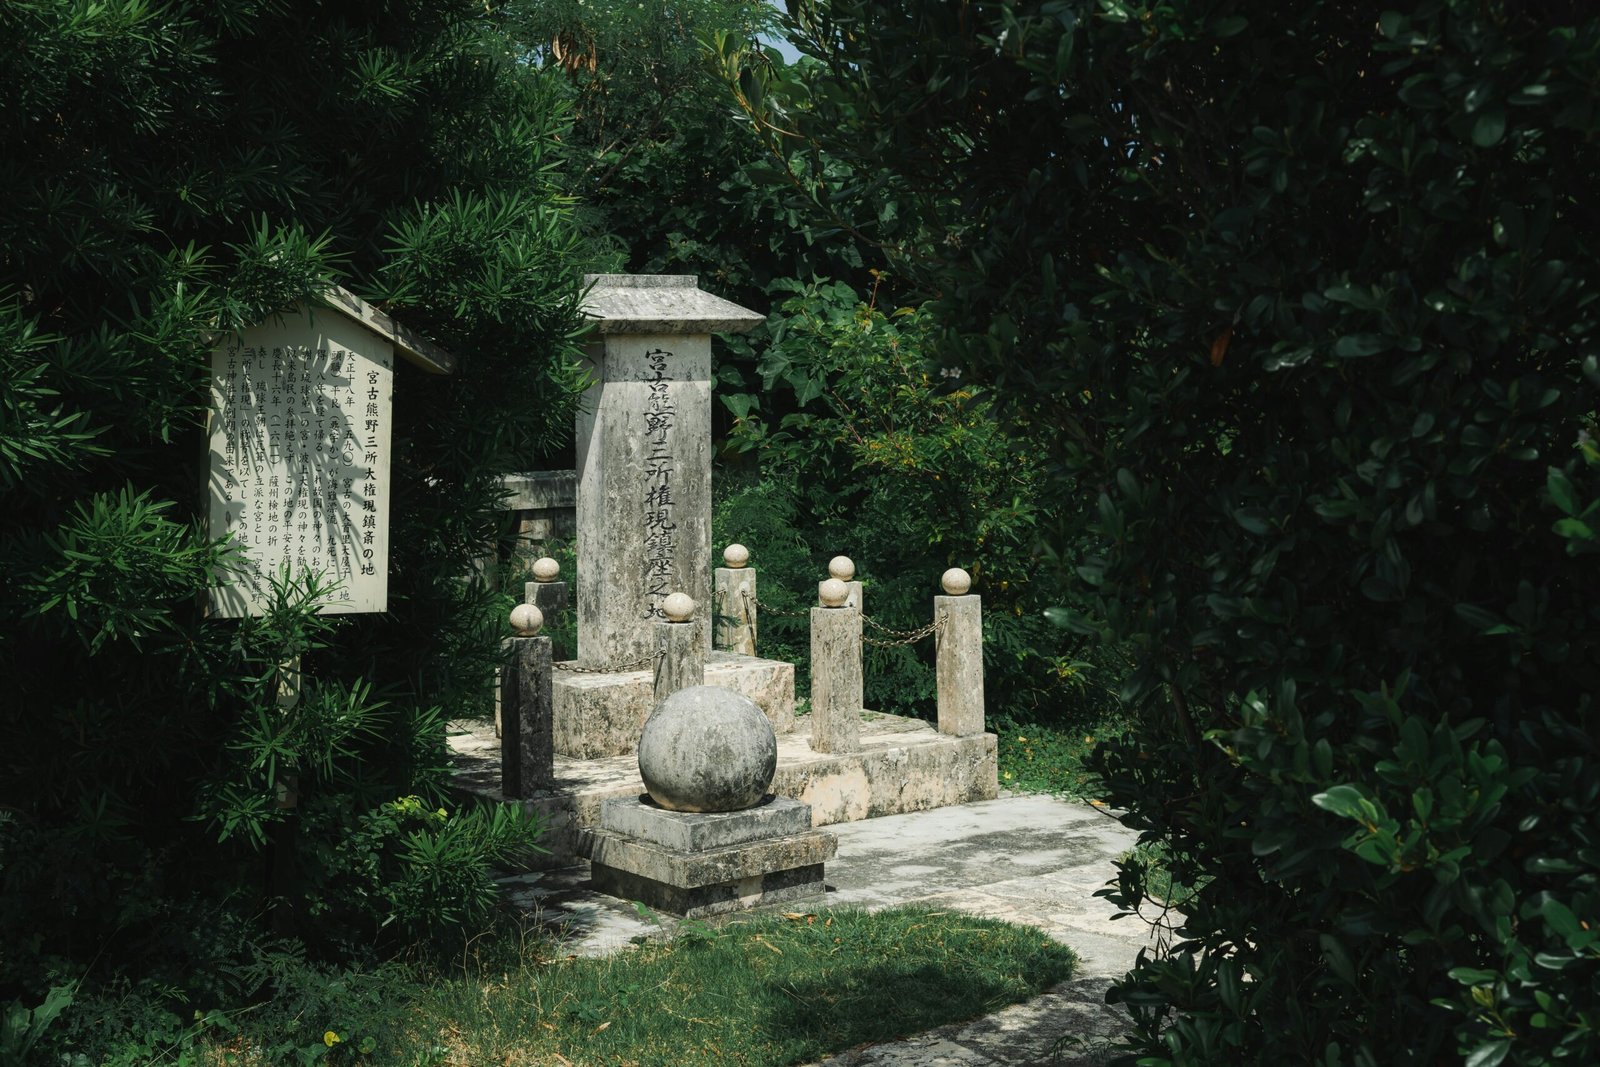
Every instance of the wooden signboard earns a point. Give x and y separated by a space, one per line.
299 437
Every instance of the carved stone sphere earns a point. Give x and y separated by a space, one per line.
546 569
833 593
736 556
842 568
678 607
707 748
956 582
526 619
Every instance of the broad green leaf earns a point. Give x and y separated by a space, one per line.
1254 520
1486 133
1472 975
1360 345
1343 800
1489 1054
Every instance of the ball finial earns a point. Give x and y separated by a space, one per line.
546 569
833 593
526 619
736 556
678 607
956 581
842 568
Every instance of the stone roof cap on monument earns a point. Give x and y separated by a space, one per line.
661 303
412 346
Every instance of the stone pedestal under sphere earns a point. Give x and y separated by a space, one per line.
708 838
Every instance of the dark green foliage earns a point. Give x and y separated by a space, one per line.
874 461
169 172
1306 292
667 179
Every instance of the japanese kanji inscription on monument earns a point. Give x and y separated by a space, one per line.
660 533
300 454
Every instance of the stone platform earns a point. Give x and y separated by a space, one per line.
905 765
600 715
695 865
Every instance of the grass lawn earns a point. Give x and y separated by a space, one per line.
1049 759
767 990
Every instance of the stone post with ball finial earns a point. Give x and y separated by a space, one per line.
527 748
836 682
546 592
680 654
958 655
736 602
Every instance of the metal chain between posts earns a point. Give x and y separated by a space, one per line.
907 637
618 668
764 606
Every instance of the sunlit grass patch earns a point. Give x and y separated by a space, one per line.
768 990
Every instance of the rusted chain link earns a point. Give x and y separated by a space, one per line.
764 606
882 629
908 637
617 668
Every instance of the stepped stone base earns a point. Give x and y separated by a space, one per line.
904 765
601 715
694 864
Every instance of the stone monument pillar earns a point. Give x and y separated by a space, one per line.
644 459
644 509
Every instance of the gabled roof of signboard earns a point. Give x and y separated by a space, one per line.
413 347
661 303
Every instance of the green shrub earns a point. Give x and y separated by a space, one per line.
862 453
1307 293
418 872
171 172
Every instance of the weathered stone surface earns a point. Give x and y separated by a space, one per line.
527 754
544 504
958 664
599 715
900 773
698 902
540 490
836 681
717 866
707 748
905 765
644 491
681 659
526 620
640 818
661 303
548 597
735 623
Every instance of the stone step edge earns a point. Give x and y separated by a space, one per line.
692 870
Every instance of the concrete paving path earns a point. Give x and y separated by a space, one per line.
1026 859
